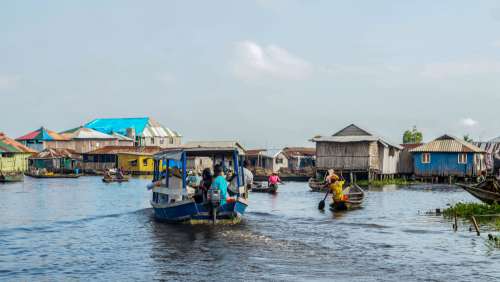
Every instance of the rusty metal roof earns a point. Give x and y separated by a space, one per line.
112 150
8 145
448 144
299 151
52 153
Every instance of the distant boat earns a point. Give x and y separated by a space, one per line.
11 177
115 179
260 187
487 191
317 186
174 202
52 175
354 197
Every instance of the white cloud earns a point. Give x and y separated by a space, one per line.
459 69
468 122
253 61
8 81
166 78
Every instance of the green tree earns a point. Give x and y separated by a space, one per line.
467 138
412 136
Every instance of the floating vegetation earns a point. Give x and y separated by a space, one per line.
484 213
381 183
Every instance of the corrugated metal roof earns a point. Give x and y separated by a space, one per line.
51 153
299 151
495 140
214 145
144 127
359 137
448 144
8 145
89 133
43 134
112 150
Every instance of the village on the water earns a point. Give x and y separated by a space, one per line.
209 181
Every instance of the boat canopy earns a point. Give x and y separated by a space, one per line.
234 153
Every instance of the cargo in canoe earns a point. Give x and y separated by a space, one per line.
52 175
114 179
355 196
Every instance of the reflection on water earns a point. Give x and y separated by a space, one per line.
60 229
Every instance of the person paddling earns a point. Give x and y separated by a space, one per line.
273 180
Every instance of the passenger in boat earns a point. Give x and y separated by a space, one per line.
220 183
233 182
273 180
247 174
205 184
193 179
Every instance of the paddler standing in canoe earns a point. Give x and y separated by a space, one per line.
336 185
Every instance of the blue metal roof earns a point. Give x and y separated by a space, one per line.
118 125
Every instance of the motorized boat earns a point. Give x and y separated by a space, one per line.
353 198
175 202
487 191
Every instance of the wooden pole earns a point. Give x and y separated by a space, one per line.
455 226
475 225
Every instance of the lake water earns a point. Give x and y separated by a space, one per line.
83 229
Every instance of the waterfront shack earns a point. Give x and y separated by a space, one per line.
144 131
40 139
84 140
446 157
135 160
13 156
406 163
56 160
300 158
353 149
267 160
492 155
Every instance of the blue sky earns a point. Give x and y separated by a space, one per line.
268 73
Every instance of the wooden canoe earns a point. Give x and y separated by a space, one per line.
261 188
317 186
55 175
486 191
355 197
11 177
115 179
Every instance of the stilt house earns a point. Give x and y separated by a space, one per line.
357 150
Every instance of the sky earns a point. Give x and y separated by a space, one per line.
269 73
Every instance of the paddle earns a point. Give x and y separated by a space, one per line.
321 205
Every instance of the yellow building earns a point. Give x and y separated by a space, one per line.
13 158
136 163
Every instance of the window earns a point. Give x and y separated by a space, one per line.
171 140
152 140
133 163
279 160
145 162
426 158
462 158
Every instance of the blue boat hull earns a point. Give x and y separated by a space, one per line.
196 213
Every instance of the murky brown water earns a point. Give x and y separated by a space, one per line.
84 229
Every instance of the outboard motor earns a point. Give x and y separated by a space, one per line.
213 196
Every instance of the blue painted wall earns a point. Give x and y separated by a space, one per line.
444 164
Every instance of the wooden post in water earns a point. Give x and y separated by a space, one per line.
475 225
455 225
